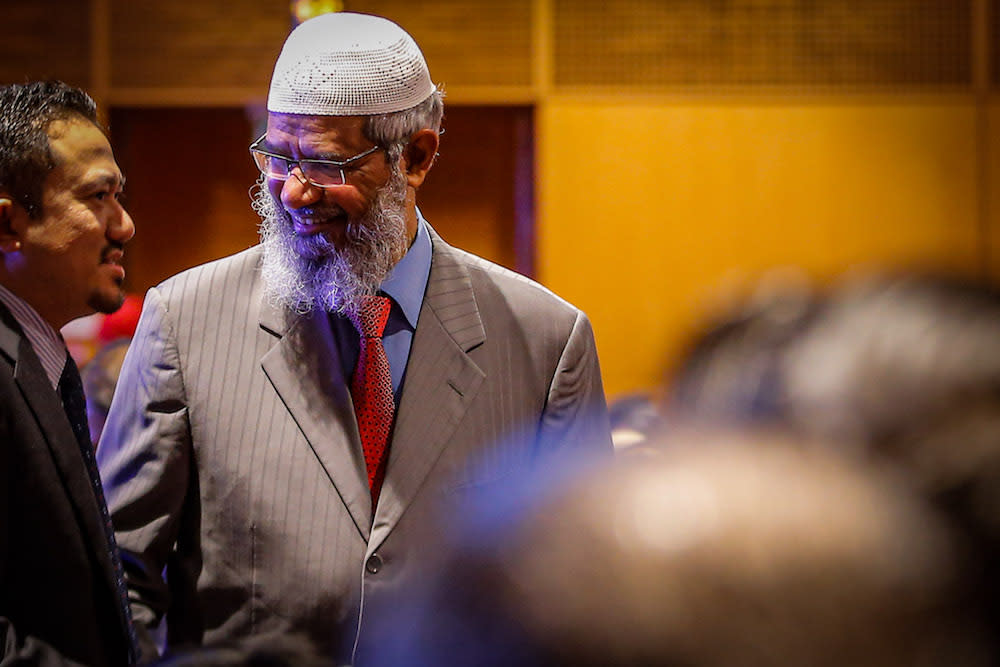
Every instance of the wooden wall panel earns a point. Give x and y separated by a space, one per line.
224 50
208 43
465 42
469 195
993 48
45 39
833 43
678 201
991 173
188 175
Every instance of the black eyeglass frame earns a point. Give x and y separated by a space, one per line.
260 158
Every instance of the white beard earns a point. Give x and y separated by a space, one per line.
305 273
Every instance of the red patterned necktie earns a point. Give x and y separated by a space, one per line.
371 390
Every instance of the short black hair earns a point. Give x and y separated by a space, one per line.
26 111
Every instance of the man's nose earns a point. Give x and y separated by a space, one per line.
297 191
122 228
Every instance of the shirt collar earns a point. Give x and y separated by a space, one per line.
408 280
46 342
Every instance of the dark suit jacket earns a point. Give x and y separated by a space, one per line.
232 457
58 601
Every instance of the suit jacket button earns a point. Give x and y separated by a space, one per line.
374 564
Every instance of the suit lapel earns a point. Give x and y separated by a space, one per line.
48 411
441 381
305 369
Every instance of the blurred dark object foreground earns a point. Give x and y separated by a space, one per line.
895 371
255 651
710 550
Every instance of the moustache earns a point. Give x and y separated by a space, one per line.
113 253
316 213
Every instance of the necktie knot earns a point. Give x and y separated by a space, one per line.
370 321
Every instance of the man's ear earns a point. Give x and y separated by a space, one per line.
10 231
418 156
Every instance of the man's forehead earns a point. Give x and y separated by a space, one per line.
79 138
300 124
321 134
81 153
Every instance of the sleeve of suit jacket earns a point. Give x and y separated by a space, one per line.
576 415
145 461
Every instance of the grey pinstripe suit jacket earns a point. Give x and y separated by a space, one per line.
231 455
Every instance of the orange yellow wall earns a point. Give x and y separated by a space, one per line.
991 196
646 209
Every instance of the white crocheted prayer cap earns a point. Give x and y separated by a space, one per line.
345 64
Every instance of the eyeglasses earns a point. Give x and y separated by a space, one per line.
320 173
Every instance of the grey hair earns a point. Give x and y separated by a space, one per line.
392 131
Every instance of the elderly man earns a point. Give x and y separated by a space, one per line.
62 228
289 417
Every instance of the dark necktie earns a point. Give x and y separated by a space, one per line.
371 390
75 405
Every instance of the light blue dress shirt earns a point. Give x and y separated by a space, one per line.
406 286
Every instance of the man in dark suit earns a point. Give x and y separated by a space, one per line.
269 446
62 229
